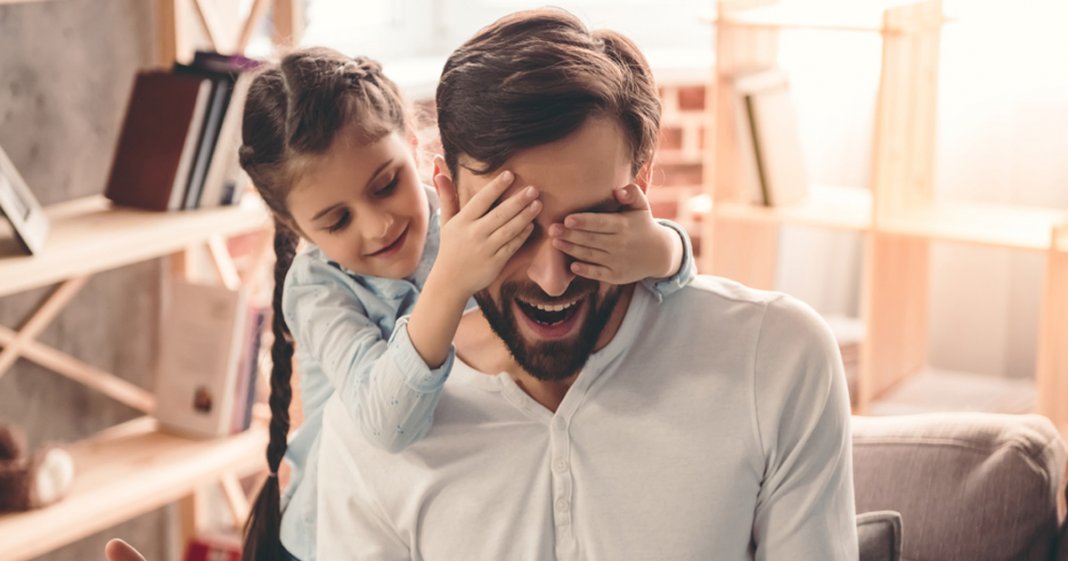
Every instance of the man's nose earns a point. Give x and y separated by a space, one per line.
550 269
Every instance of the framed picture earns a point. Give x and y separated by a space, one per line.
21 209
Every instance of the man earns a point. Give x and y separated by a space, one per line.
585 420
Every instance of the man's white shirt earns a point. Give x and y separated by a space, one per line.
714 425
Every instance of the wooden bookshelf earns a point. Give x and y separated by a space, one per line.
89 235
123 472
133 468
897 212
842 208
997 226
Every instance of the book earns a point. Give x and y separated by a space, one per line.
201 343
214 546
225 176
248 369
158 141
220 99
772 142
222 86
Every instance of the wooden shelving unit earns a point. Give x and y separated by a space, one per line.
132 468
897 212
126 471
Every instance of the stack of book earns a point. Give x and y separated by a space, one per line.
208 363
179 141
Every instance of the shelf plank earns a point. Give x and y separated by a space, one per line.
862 17
89 235
932 390
1002 226
845 208
123 472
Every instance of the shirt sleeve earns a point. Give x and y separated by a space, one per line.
665 287
351 523
805 508
386 387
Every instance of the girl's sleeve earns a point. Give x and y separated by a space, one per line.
663 288
386 387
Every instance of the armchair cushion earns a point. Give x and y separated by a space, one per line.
879 536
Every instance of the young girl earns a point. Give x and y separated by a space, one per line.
373 302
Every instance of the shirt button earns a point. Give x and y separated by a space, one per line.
560 466
563 505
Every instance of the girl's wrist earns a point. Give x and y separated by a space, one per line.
674 251
440 287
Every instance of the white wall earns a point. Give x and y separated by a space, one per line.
1003 117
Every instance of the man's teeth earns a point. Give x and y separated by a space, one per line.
554 307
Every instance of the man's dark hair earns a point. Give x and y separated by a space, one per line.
535 77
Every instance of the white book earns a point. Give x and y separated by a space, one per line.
188 157
769 139
201 343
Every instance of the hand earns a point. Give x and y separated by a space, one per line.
619 248
478 239
118 550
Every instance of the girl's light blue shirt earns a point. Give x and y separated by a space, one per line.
351 337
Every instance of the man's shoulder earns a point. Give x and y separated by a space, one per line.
720 300
707 293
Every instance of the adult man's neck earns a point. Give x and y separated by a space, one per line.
478 346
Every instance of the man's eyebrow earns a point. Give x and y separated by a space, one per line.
374 174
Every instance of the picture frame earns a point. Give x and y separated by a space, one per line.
17 203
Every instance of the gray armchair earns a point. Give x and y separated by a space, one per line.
969 486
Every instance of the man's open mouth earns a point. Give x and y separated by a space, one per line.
550 314
555 320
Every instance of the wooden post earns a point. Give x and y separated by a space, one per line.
895 284
1052 375
288 23
173 30
744 251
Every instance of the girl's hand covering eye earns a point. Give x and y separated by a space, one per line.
620 247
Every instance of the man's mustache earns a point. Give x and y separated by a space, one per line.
531 292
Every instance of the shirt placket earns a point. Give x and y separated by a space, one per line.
563 489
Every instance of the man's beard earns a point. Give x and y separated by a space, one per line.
550 360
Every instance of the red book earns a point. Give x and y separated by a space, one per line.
159 139
214 547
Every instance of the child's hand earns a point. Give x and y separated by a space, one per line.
622 247
478 239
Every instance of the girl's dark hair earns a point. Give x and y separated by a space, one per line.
534 77
294 111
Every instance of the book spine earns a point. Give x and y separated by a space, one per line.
185 164
221 89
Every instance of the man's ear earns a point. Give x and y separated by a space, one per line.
447 193
644 177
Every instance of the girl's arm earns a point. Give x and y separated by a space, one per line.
628 245
392 388
384 384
